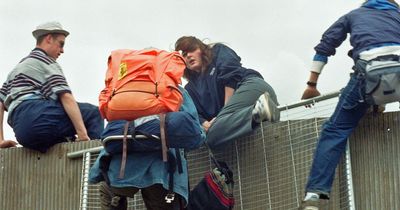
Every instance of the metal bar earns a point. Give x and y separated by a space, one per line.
239 177
350 186
266 167
80 153
309 101
85 181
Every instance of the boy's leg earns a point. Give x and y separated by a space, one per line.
112 198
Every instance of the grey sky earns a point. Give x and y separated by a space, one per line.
273 37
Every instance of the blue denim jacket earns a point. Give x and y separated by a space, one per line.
144 169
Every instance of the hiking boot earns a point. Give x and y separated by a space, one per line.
265 109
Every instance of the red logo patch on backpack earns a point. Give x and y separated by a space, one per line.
141 83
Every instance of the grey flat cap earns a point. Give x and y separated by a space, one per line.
47 28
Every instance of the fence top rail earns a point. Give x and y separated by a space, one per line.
310 101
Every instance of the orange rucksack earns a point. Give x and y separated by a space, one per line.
141 83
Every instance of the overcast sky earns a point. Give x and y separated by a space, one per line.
274 37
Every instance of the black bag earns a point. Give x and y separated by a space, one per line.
382 79
214 191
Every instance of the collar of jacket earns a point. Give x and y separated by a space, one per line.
380 4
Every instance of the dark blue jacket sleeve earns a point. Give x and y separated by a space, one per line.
333 37
228 65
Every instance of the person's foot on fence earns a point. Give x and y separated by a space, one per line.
312 201
265 109
309 205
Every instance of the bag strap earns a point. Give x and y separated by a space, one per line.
124 151
164 147
389 57
168 160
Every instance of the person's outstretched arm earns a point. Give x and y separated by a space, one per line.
71 108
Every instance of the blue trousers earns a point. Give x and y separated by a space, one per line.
335 132
39 124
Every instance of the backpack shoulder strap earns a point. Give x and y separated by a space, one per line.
124 151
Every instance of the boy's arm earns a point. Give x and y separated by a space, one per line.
74 114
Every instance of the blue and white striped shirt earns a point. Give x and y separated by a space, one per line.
37 76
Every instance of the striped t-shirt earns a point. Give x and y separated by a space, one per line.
37 76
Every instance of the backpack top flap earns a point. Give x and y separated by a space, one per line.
149 65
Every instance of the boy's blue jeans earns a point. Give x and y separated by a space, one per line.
332 143
40 124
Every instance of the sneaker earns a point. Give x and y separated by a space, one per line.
265 109
309 205
314 203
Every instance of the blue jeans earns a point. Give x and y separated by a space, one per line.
332 143
39 124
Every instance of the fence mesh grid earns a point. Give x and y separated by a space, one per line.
270 166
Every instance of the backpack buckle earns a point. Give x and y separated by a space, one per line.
169 197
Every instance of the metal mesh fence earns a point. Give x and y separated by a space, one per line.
270 166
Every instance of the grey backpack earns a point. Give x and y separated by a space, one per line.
382 80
